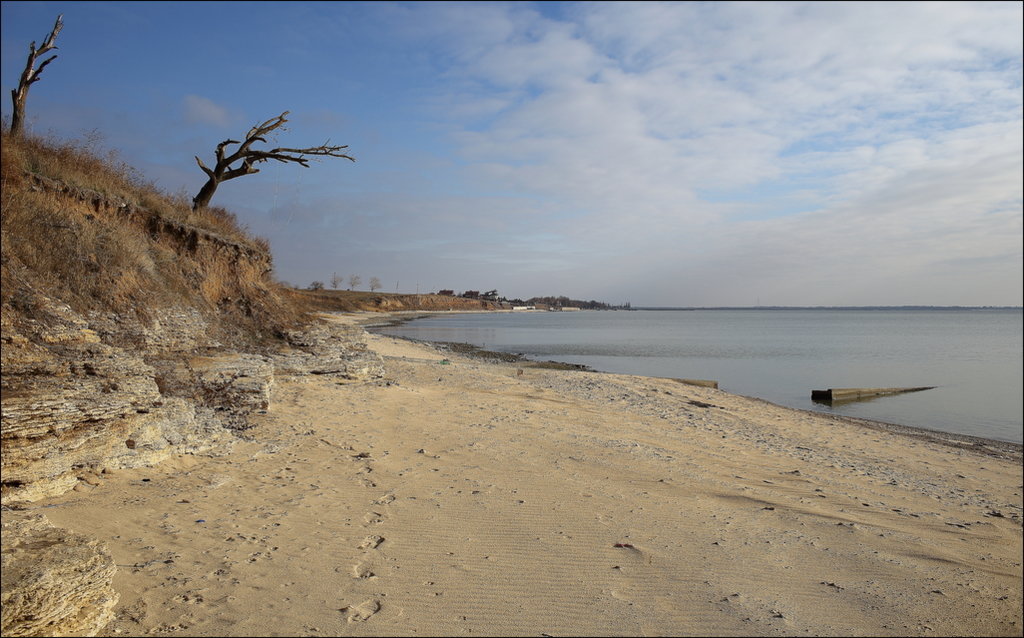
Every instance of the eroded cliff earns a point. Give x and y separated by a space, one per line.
133 330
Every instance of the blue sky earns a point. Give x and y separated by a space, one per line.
690 154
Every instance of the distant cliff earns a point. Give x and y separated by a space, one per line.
351 301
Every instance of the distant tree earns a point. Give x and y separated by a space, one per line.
336 280
31 75
222 171
316 285
354 281
374 284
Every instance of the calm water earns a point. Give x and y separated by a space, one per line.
973 356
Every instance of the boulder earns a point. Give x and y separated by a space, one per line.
330 348
55 582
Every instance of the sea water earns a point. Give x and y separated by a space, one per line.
972 356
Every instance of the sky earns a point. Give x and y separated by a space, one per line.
660 154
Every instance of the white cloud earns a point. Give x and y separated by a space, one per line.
678 153
883 138
201 110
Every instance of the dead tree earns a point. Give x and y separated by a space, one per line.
249 157
31 75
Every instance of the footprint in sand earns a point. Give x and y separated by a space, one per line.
362 611
373 518
362 571
255 556
192 597
371 542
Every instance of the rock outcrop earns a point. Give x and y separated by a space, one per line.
330 348
74 405
55 582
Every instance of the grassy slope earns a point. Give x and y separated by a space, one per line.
137 252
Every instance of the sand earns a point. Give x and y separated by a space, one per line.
460 497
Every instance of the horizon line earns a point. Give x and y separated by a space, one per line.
870 307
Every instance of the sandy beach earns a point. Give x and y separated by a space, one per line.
462 497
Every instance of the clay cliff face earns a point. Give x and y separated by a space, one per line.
128 338
85 392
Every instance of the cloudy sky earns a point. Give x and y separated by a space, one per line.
669 154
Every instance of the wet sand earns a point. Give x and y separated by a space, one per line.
463 497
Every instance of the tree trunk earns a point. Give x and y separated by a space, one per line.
202 199
18 116
30 75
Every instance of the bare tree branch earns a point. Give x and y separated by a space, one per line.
30 75
249 157
206 170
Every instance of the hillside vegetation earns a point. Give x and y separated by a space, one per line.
90 232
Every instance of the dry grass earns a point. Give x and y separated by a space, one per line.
83 164
65 249
87 262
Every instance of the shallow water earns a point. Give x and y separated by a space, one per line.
973 356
